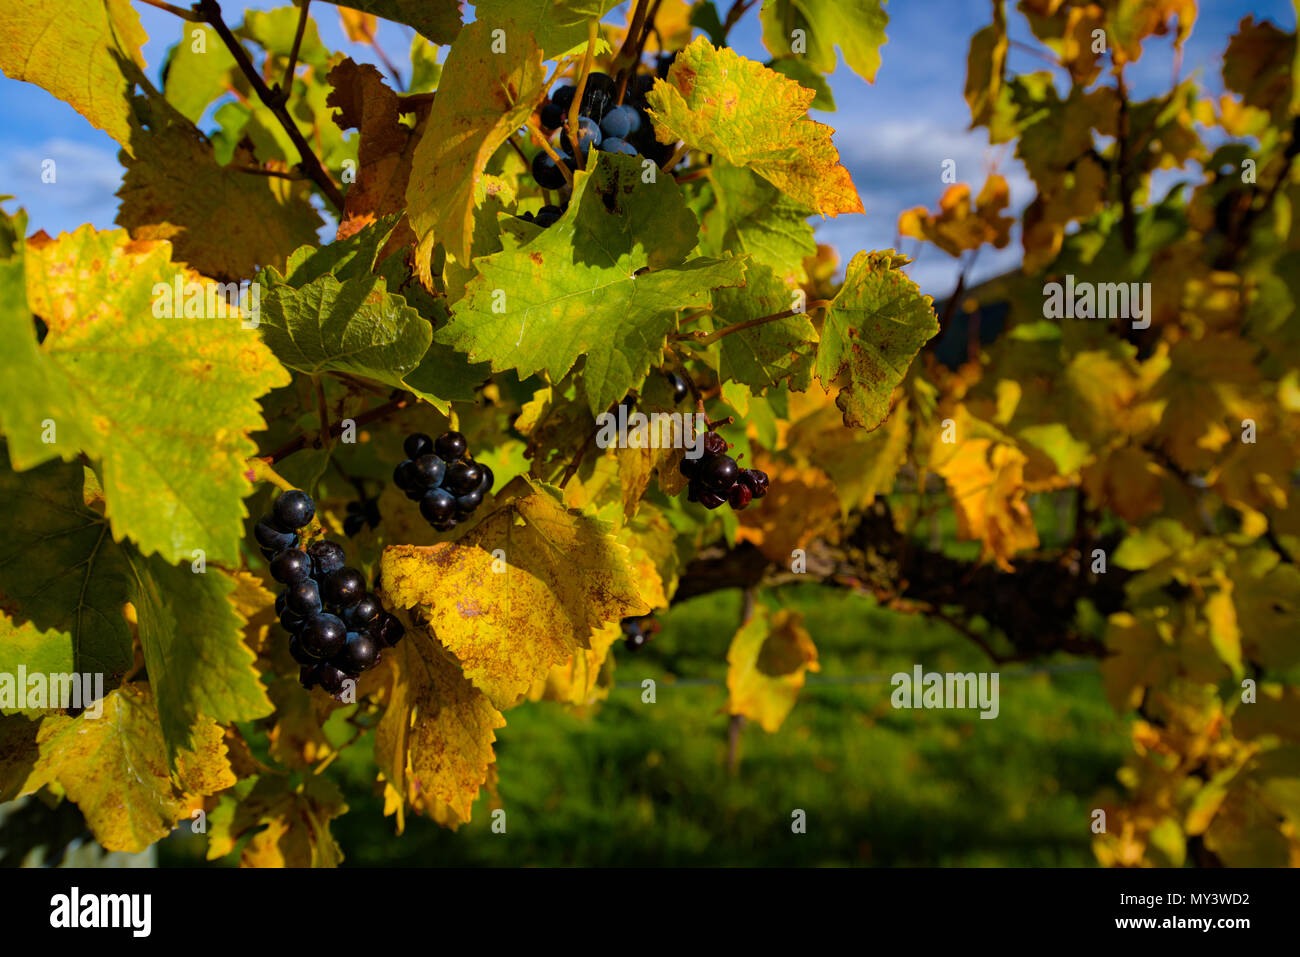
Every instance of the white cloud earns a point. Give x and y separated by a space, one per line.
85 178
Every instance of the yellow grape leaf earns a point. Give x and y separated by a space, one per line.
1266 593
768 660
510 617
1132 21
360 27
1127 481
582 679
800 506
114 768
297 738
85 52
1225 635
1257 66
483 97
987 483
1201 391
364 102
289 824
221 222
960 225
721 103
434 742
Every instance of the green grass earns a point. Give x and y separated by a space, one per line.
648 784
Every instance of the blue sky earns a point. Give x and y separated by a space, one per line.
893 135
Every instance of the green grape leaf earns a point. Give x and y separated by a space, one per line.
275 31
114 767
763 355
718 102
558 28
351 258
483 97
573 291
510 615
222 222
164 404
85 52
857 27
874 327
753 216
439 20
198 71
65 577
355 326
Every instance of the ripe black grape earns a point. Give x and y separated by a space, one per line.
485 485
294 509
291 621
548 215
429 471
740 496
330 677
612 144
466 503
438 505
404 475
344 587
714 444
546 172
323 635
588 136
326 557
620 122
563 96
290 565
361 612
353 524
680 389
709 498
417 444
755 480
387 629
552 116
303 598
358 654
719 472
463 477
273 539
451 446
300 653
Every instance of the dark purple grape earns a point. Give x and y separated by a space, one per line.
444 526
635 641
690 467
620 122
290 565
612 144
693 490
468 502
272 539
358 654
303 598
485 484
388 629
714 444
740 496
294 509
308 676
362 612
545 171
353 524
552 116
711 499
344 587
417 444
563 96
323 635
330 677
756 480
429 471
291 621
719 472
548 216
404 475
588 137
463 477
326 558
451 446
680 389
438 505
300 653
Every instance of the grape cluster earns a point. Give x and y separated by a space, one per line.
715 477
337 629
637 630
443 477
603 124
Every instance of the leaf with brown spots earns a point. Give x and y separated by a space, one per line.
289 824
509 618
874 327
721 103
162 404
114 767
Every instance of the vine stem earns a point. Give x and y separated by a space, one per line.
286 86
261 471
681 151
370 415
707 338
637 32
322 411
550 151
738 10
181 12
593 29
209 11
